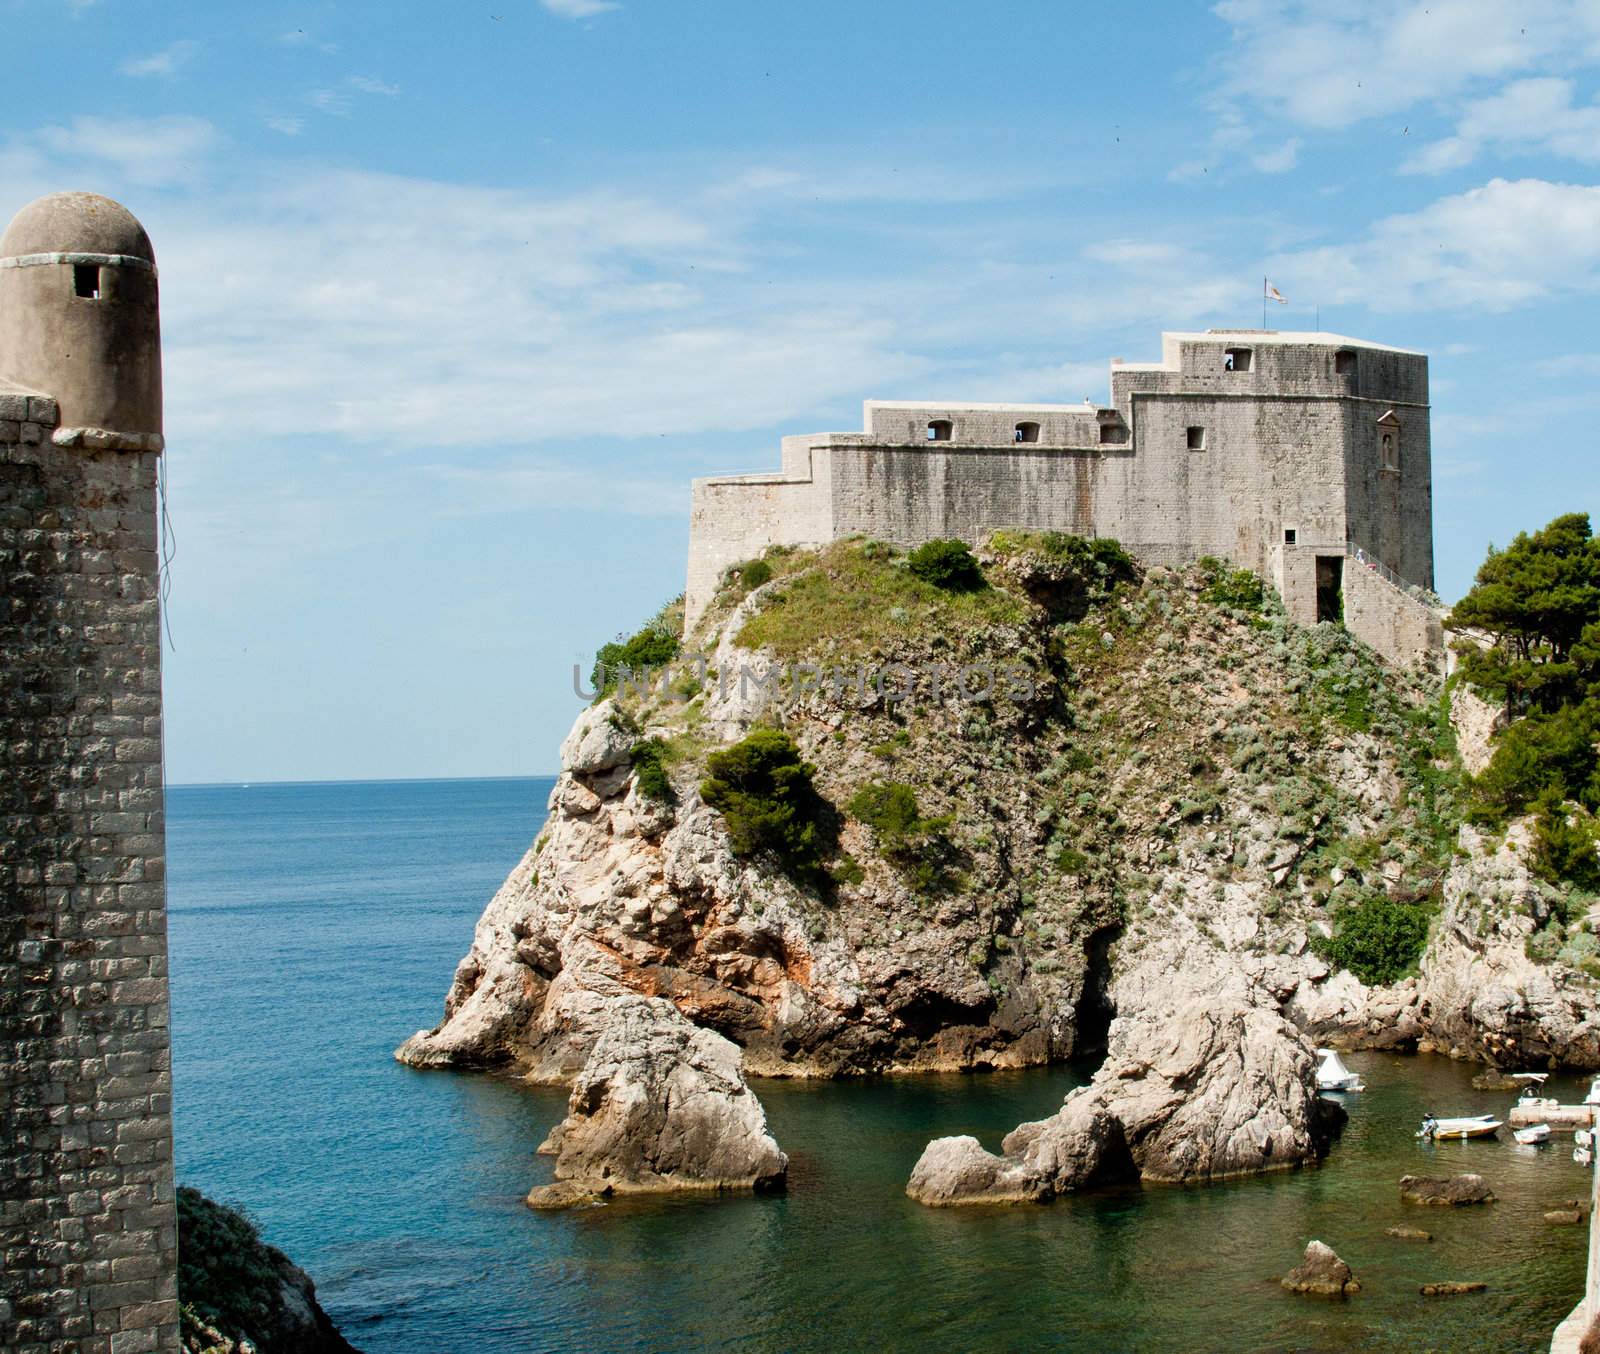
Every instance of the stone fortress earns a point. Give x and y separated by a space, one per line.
1302 456
88 1229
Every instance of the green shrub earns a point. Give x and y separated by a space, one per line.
226 1273
1565 839
764 791
755 573
947 564
919 848
652 647
649 768
1378 939
1240 589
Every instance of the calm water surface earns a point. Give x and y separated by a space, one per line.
314 926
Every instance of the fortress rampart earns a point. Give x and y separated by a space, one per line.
88 1229
1281 452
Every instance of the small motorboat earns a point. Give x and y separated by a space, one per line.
1473 1126
1333 1075
1532 1135
1532 1084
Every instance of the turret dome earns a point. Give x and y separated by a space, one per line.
76 223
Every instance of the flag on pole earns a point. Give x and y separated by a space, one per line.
1273 294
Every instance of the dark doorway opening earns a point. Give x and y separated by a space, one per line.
1330 588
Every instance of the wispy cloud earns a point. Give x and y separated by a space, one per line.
579 9
287 126
1503 245
164 63
1528 115
148 152
368 84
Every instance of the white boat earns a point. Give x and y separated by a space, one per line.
1593 1098
1333 1075
1533 1135
1532 1084
1473 1126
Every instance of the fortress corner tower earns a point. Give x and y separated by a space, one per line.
88 1229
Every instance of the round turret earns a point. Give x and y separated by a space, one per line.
80 318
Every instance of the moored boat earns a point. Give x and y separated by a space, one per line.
1533 1135
1333 1075
1471 1126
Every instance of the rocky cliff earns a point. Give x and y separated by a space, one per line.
1064 794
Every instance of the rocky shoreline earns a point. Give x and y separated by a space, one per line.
1146 849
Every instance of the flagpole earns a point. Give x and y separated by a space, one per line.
1263 303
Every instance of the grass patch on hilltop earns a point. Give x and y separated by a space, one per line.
860 596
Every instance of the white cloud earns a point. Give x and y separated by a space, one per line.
148 152
330 101
1280 160
1496 247
287 126
1329 66
164 63
579 9
1534 114
368 84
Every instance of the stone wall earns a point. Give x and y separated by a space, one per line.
1393 622
87 1221
1268 462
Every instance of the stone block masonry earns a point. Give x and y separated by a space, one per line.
1275 451
88 1228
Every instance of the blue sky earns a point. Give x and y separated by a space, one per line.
457 299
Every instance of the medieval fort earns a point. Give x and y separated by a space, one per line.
1304 457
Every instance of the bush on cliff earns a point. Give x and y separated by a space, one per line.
224 1268
1237 589
946 564
649 768
764 791
1379 939
919 848
650 648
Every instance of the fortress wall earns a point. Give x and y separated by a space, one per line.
87 1220
908 495
735 518
1391 510
1393 622
897 423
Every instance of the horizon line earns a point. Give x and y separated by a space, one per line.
354 780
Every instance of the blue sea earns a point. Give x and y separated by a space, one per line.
313 927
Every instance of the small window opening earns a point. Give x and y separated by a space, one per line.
1197 439
86 280
1027 432
1290 536
1344 363
939 430
1236 359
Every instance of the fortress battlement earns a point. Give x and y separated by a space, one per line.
1285 453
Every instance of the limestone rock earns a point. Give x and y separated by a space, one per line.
1212 1087
1476 722
1495 1080
1408 1233
1321 1272
597 743
1449 1192
959 1171
662 1105
1450 1288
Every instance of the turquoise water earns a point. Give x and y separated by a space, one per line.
314 926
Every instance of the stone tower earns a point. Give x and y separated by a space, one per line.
88 1232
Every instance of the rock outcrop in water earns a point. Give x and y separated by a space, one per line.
1208 1087
1322 1273
1454 1191
660 1105
1167 792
